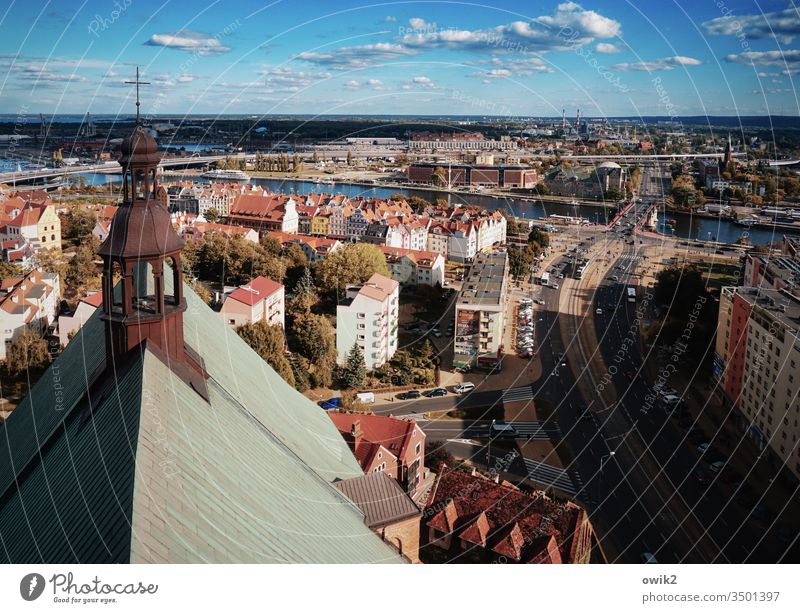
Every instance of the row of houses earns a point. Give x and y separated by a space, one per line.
457 233
28 302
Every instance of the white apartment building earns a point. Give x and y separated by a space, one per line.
462 244
491 231
758 363
27 302
369 317
480 312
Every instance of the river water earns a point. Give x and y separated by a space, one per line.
685 226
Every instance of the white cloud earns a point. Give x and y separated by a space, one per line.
787 59
352 84
517 68
417 23
375 84
361 56
390 18
568 27
186 40
607 48
422 82
665 63
284 79
783 26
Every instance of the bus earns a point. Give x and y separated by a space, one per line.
631 294
545 280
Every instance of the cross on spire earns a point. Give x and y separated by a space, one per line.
137 82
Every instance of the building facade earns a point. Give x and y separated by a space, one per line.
369 317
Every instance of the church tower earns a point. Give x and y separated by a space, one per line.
141 248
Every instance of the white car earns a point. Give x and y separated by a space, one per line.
598 311
463 388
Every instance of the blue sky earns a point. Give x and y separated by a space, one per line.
608 58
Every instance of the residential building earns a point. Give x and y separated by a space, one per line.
264 213
316 248
369 317
260 300
475 519
37 223
438 236
491 231
414 267
391 445
772 272
27 302
462 242
757 361
481 311
305 216
320 223
69 322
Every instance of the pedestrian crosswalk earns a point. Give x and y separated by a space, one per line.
551 476
515 394
629 256
529 430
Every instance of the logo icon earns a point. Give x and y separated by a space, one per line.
31 586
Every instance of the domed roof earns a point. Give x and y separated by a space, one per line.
609 165
139 143
141 230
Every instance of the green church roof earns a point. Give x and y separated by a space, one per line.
142 469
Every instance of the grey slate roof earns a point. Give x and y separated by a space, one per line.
150 472
380 498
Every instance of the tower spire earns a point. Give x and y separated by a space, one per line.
137 82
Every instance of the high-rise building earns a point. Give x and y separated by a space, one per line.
758 364
369 318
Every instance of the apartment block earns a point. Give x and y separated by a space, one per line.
758 363
480 312
369 316
260 300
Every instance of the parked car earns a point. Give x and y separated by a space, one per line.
409 395
703 447
439 391
717 466
366 397
330 403
463 388
598 311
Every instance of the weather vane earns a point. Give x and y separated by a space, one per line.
137 82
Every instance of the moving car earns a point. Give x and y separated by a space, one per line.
717 466
502 430
439 391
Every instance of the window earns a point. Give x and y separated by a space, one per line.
418 448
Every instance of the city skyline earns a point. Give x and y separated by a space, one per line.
412 58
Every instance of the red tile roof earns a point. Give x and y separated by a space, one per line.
509 522
376 430
254 292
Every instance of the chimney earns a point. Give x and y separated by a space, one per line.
355 429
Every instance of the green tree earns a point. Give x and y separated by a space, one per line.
439 177
77 225
268 342
212 215
82 270
354 373
305 296
540 237
354 263
10 271
313 337
27 353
